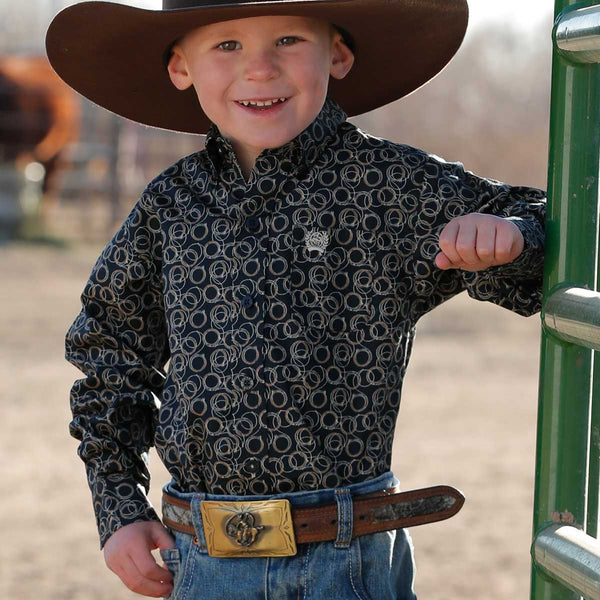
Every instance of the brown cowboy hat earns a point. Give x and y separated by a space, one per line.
114 54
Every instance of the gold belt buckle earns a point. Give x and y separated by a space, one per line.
253 528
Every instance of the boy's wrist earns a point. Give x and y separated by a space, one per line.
532 254
529 263
118 501
151 517
107 531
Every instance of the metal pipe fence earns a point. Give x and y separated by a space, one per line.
566 555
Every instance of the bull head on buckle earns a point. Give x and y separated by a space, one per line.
241 528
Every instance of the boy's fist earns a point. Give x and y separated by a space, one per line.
127 553
476 241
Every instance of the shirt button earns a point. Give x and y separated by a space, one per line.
252 223
286 167
252 466
246 382
247 301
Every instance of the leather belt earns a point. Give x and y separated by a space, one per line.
243 522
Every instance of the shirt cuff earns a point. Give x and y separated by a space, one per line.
529 265
517 286
118 501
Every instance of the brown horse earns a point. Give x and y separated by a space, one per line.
39 115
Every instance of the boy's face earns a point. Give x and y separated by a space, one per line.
283 63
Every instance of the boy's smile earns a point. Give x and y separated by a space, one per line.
264 105
261 80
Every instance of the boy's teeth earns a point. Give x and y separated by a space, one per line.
261 102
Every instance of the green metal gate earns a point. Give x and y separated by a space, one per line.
566 554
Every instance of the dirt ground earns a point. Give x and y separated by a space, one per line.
467 419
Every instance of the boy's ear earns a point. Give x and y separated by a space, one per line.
342 58
178 70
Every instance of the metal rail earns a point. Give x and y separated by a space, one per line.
578 35
566 559
573 315
570 556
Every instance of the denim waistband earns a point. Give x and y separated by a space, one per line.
303 498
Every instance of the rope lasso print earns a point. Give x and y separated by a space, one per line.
286 363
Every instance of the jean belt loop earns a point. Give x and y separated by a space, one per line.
345 518
198 523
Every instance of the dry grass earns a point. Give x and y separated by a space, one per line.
468 419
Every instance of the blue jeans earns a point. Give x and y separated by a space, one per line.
377 566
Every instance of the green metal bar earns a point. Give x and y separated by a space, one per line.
573 315
563 444
593 505
594 470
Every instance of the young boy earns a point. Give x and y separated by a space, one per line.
282 271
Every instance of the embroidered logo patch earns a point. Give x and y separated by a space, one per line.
317 241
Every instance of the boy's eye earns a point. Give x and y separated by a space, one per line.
229 45
288 40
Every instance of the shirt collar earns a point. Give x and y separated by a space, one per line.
296 156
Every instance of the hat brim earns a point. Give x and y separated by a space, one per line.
113 54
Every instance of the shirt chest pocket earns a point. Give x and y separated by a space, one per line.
332 276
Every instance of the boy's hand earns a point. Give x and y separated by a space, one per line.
476 241
127 552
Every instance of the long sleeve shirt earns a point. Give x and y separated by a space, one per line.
257 332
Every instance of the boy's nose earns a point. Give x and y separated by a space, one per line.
261 67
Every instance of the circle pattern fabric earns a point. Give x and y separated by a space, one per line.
287 305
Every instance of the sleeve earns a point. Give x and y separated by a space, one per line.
446 191
119 342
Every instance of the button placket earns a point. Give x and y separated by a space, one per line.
252 305
238 194
253 223
246 382
247 301
252 467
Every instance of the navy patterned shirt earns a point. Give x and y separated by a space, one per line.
257 332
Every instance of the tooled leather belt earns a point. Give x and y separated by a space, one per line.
379 511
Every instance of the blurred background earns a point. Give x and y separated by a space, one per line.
70 172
